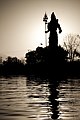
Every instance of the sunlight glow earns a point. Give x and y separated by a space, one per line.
39 35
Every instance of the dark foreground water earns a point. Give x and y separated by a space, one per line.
30 98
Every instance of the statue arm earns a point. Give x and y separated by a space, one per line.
47 31
59 27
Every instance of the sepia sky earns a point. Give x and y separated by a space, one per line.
22 26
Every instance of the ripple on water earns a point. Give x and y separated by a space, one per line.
23 100
30 99
69 100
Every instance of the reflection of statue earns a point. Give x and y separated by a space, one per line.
53 84
52 27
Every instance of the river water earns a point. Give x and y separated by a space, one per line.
35 98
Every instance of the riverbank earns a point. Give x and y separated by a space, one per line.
43 69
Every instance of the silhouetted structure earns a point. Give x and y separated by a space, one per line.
51 58
52 28
54 57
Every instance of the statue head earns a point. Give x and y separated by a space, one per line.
53 17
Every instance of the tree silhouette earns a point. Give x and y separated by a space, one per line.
72 45
12 65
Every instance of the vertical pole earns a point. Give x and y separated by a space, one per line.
45 35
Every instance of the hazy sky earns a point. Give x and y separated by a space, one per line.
22 26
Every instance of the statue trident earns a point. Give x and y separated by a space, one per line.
45 18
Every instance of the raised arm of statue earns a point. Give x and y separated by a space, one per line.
59 27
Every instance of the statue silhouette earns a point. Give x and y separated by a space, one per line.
52 28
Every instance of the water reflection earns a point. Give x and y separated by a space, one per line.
23 99
53 84
13 98
35 98
39 93
69 99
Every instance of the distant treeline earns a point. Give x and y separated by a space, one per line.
43 61
12 65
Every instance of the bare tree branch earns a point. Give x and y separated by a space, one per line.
72 44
